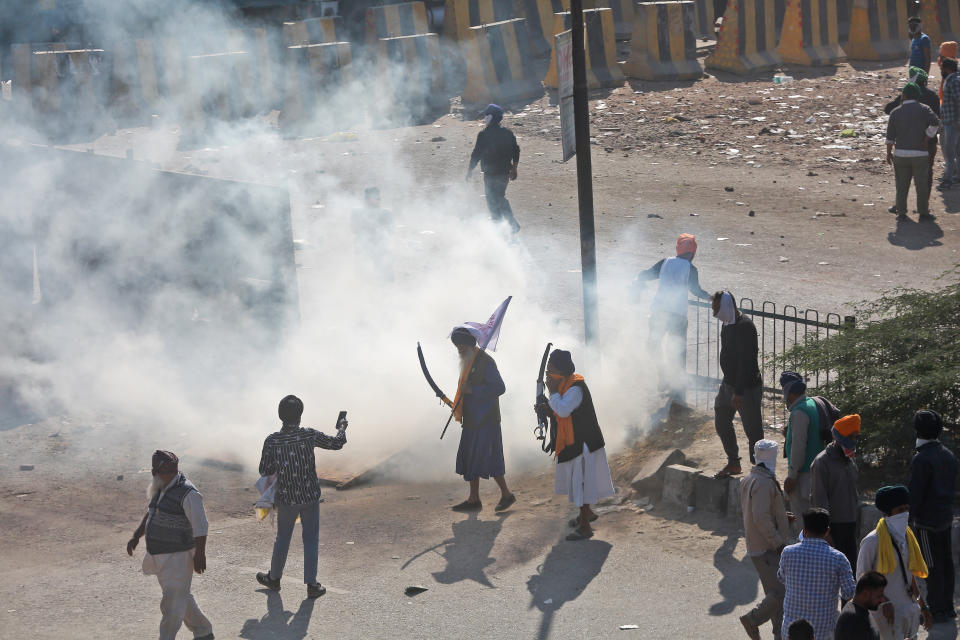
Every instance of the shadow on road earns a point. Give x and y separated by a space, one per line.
943 631
563 576
278 623
738 585
914 235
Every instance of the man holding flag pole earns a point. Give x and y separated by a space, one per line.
476 406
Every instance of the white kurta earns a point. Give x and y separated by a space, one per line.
906 622
586 478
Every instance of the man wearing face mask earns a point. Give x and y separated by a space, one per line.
742 387
766 528
802 439
833 477
893 551
933 480
919 45
498 153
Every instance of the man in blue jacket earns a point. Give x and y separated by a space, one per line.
933 477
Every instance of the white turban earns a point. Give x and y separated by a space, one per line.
728 312
765 453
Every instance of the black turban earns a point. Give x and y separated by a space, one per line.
928 424
290 410
462 335
561 362
889 498
164 462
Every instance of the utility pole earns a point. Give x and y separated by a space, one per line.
588 245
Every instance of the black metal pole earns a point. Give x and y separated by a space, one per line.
581 116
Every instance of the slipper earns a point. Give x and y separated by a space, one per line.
579 535
726 472
468 506
505 503
575 522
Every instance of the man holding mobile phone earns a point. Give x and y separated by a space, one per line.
288 453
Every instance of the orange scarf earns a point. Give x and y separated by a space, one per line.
565 436
457 405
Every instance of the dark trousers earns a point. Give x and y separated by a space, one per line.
750 415
917 170
844 536
937 552
495 188
771 607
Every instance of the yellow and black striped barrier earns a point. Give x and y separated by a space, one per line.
941 20
810 34
600 45
145 75
59 81
705 19
392 20
460 15
747 41
499 66
540 23
878 30
311 31
664 45
623 17
311 73
411 69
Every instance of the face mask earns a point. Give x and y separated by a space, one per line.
897 525
487 120
771 465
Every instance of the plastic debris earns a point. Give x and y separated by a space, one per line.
414 590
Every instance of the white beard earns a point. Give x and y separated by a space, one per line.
156 484
466 359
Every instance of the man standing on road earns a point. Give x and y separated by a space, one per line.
498 153
833 476
950 114
477 409
582 472
930 98
854 620
919 45
948 49
892 550
802 443
933 479
766 527
288 453
669 310
741 389
814 573
910 129
176 528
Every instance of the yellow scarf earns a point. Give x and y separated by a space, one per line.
565 436
887 558
457 405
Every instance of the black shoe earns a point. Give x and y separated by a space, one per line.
315 590
505 503
927 217
209 636
893 209
468 506
268 582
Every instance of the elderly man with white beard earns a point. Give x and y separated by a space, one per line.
176 529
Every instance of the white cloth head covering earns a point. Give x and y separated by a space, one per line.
728 312
765 452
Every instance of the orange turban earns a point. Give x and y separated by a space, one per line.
686 243
848 425
948 49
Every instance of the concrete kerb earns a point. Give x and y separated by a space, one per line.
679 486
649 480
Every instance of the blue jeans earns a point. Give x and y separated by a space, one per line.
310 523
950 141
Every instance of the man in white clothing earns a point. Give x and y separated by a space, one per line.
582 472
176 529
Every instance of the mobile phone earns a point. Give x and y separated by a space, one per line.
342 420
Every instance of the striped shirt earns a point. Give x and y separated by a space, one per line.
289 454
950 105
813 573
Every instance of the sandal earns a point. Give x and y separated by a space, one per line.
468 506
575 522
728 471
505 503
579 535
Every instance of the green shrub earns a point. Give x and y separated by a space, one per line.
902 355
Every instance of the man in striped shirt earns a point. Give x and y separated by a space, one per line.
288 453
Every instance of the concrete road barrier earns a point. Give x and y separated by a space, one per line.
747 41
679 486
499 65
623 17
733 498
412 68
810 34
392 20
59 81
878 31
941 20
460 15
664 45
311 31
705 19
311 73
711 494
601 49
